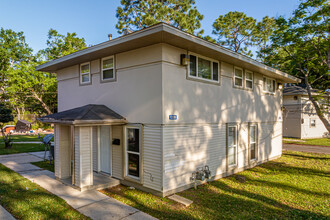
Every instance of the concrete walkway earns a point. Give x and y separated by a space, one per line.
307 148
90 203
5 215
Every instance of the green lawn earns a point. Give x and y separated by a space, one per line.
27 200
318 141
45 165
295 186
21 148
19 138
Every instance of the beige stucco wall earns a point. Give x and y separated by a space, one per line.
198 137
201 102
136 94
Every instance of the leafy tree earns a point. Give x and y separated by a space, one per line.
236 31
264 31
5 116
301 47
59 45
13 49
26 83
138 14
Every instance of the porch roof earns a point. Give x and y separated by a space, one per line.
88 114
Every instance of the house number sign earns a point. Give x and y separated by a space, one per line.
173 117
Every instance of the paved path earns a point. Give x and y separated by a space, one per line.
307 148
5 215
90 203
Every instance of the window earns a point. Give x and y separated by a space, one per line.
231 145
269 85
85 73
133 152
238 77
313 123
253 142
248 80
108 69
203 68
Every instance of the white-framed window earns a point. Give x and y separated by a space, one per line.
203 68
85 73
269 85
253 141
238 77
133 151
313 123
108 68
232 145
248 79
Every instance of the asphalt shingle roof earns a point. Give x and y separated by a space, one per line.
88 112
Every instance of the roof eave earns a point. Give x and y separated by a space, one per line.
157 33
84 122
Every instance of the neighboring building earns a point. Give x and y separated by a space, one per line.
299 117
138 110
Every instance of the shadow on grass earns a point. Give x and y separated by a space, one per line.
321 157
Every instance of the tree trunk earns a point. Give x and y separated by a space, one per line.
316 106
43 104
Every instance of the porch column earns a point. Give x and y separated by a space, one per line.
62 151
83 171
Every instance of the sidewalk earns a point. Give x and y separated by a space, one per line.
5 215
307 148
90 203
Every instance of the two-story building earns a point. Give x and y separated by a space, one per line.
151 107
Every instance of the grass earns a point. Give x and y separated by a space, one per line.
317 141
44 165
295 186
20 138
21 148
27 200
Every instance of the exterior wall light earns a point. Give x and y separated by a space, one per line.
185 59
280 86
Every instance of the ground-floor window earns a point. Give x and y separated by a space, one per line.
232 145
253 141
133 159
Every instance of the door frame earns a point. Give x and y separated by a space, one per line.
99 149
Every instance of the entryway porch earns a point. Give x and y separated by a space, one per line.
85 140
100 181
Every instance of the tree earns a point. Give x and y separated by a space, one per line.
236 31
301 47
59 45
264 31
13 49
25 82
5 116
138 14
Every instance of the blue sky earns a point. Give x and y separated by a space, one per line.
95 19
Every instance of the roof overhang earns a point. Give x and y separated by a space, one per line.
163 33
85 122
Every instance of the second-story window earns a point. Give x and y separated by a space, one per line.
85 73
108 68
203 68
248 80
269 85
238 77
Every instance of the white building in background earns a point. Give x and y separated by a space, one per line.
299 118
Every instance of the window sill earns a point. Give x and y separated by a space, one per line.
108 80
196 79
243 88
133 179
